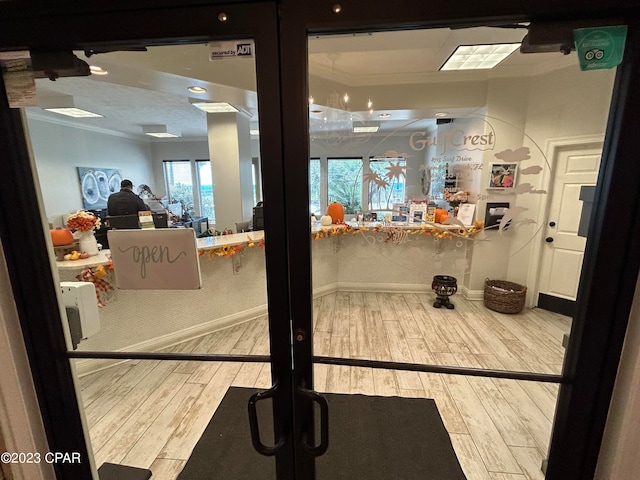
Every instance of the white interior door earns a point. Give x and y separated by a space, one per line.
563 250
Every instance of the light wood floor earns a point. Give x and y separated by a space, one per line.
151 413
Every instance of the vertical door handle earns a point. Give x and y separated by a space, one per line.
253 423
321 448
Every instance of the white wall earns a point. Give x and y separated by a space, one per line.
59 149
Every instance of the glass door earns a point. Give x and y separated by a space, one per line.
166 112
425 192
348 110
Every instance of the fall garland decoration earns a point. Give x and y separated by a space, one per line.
231 250
427 230
228 251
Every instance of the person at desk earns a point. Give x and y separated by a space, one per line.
125 202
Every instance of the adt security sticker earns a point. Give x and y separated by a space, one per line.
236 48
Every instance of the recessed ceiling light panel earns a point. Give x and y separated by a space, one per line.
65 105
160 131
475 57
215 107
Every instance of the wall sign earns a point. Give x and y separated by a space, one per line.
600 48
236 48
157 259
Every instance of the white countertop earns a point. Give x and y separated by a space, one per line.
207 243
101 258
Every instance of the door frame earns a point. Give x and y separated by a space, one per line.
553 147
596 340
23 227
595 345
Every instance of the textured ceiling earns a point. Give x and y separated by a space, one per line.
145 88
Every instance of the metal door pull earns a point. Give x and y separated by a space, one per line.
321 448
253 423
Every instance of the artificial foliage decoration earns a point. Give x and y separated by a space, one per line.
394 235
83 221
231 250
436 232
96 275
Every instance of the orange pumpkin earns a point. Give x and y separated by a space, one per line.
441 215
61 236
336 211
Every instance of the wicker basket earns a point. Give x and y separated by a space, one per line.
504 297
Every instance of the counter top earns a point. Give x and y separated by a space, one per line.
203 244
101 258
219 241
207 243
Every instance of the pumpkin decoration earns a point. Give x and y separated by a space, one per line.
441 215
326 220
61 236
336 211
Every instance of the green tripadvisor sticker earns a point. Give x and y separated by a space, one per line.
599 48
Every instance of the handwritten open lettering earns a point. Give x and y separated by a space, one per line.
156 254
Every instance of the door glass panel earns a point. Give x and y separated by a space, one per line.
466 246
151 413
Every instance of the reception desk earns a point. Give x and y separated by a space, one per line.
353 258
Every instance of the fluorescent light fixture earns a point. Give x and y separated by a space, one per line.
64 105
365 127
441 114
472 57
214 107
160 131
254 132
196 89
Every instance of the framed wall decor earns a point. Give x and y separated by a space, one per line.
97 184
503 176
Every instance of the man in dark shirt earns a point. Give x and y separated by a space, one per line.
125 202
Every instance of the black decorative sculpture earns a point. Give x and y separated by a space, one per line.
444 286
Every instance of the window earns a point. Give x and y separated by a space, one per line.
205 184
386 182
315 206
177 176
344 183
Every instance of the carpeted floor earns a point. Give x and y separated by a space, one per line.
370 437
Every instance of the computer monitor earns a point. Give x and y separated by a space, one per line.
123 221
120 222
258 219
175 208
160 220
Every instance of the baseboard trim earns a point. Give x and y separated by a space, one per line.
563 306
474 295
382 287
87 366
